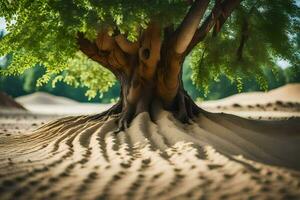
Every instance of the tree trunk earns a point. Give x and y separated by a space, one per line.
150 69
139 96
149 72
140 92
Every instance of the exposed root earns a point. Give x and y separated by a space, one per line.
111 112
125 118
185 108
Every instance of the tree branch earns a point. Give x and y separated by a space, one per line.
115 55
189 25
149 51
218 15
105 42
106 53
127 46
90 49
245 31
244 38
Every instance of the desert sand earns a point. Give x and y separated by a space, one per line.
217 156
41 102
287 93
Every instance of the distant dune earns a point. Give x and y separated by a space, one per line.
41 102
45 103
44 98
287 93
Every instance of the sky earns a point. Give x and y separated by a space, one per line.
2 23
281 63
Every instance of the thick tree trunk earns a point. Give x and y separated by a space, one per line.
182 106
146 96
150 69
139 94
149 72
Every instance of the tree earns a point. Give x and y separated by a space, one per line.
144 44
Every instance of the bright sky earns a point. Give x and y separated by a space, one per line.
281 63
2 23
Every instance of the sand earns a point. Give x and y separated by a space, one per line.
44 103
218 156
287 93
44 99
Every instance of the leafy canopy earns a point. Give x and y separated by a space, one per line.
272 33
44 32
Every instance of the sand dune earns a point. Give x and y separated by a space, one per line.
281 102
41 102
285 99
287 93
218 156
44 98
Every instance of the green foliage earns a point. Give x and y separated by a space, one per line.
272 34
224 87
44 32
26 83
292 74
84 72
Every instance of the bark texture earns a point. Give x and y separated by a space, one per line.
150 69
149 72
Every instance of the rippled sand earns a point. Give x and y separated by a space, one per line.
218 156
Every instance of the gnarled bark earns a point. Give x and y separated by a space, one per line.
150 69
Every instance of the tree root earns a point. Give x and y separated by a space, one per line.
125 118
183 109
116 109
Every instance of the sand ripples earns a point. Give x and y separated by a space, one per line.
80 158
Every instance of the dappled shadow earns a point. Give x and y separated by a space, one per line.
218 156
